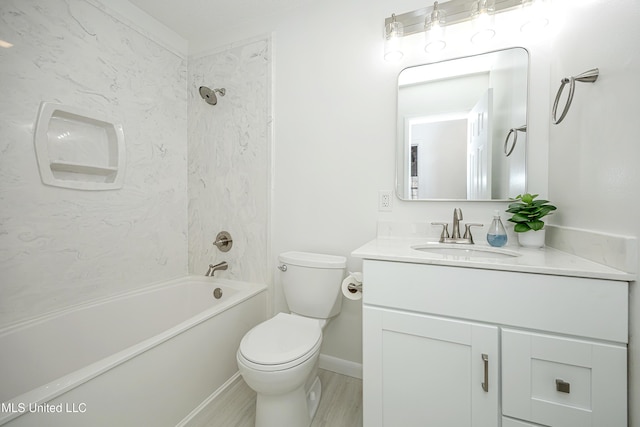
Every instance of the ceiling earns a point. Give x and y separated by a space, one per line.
194 19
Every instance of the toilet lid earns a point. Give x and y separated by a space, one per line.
281 339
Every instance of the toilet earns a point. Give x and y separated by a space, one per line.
279 357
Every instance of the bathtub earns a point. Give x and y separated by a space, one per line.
150 357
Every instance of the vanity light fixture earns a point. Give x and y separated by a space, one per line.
394 31
535 15
431 21
482 15
434 26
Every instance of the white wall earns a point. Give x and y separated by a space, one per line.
594 176
58 246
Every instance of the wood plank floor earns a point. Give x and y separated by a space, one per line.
340 405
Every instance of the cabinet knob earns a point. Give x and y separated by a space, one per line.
563 386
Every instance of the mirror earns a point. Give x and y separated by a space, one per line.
461 132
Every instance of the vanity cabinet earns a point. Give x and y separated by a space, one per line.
453 346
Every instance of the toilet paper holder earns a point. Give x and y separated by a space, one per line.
353 288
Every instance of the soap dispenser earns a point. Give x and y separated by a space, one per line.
497 236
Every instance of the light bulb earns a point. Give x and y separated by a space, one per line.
435 30
535 15
393 40
483 21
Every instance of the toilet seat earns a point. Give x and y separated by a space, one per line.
280 343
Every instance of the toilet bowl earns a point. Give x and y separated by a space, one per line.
276 358
279 357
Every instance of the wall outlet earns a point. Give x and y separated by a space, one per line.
385 200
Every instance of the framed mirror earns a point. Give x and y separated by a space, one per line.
461 130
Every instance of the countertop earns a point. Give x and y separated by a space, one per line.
539 261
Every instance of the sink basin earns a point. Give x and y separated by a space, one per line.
465 251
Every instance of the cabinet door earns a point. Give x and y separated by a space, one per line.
428 371
563 382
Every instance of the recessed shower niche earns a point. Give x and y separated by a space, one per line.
78 149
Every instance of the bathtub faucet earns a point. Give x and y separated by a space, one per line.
213 268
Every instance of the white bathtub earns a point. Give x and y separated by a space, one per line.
148 357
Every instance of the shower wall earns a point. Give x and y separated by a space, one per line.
59 246
229 159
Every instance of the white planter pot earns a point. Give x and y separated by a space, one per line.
532 239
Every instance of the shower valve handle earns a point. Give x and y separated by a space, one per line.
223 241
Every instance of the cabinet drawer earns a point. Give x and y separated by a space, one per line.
590 308
560 381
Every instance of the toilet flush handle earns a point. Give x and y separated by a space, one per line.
282 267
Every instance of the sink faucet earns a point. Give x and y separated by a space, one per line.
457 216
467 238
213 268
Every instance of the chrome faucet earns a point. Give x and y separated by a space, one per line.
467 238
457 216
213 268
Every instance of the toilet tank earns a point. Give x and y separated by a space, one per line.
311 283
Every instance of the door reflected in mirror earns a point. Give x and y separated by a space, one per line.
461 132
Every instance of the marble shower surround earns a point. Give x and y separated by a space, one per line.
60 247
229 157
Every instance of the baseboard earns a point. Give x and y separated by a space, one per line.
341 366
199 416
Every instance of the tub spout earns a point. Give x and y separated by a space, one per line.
213 268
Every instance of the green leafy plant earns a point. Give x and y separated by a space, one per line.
527 212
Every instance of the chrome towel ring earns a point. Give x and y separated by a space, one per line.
588 77
514 131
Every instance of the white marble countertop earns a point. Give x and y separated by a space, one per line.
540 261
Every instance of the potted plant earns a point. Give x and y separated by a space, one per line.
527 216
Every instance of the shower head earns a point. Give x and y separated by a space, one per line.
209 95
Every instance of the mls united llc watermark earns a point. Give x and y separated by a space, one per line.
47 408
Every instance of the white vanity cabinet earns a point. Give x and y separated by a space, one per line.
452 346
